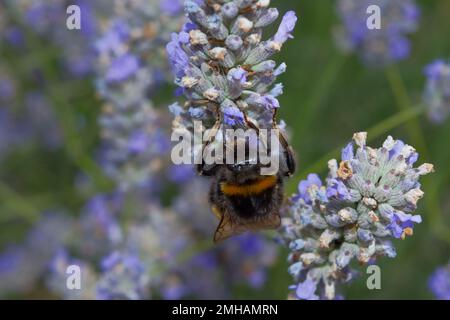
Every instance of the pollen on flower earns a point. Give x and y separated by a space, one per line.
345 170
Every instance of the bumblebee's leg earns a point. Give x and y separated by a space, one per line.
288 153
250 124
202 168
287 149
216 212
253 126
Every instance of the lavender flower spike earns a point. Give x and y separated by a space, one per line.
368 199
221 63
437 90
131 64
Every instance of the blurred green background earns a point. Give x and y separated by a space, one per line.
327 97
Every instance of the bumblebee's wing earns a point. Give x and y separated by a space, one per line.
227 228
231 226
269 222
288 151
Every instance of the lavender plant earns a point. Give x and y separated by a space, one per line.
222 64
130 66
368 199
437 90
377 47
141 252
439 283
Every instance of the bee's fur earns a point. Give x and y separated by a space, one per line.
249 188
249 201
241 198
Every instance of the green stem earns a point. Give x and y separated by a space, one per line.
320 93
15 203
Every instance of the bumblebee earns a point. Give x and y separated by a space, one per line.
243 199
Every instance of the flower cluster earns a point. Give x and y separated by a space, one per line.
368 199
437 90
377 47
222 64
439 283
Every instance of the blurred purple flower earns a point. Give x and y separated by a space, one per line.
437 90
124 276
377 47
439 283
172 7
122 68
